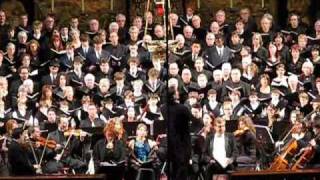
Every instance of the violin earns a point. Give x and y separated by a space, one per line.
239 132
51 144
76 132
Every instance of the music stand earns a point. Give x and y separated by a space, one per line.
112 170
263 134
96 134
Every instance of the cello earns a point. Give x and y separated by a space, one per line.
306 156
281 162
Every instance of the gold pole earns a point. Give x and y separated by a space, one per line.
171 27
52 5
82 6
111 5
145 16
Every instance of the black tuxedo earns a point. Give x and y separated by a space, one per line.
160 89
72 153
230 147
200 33
118 98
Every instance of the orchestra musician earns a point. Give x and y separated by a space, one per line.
10 125
299 132
143 151
246 141
217 159
110 150
68 148
309 155
18 156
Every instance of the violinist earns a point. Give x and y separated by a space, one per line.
246 141
35 134
19 161
10 125
68 148
110 150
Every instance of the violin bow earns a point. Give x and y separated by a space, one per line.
32 149
66 144
44 149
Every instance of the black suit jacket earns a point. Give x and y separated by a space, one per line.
230 147
65 63
20 163
94 60
212 58
179 140
87 123
46 80
80 52
74 146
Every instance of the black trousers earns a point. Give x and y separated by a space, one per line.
179 171
216 168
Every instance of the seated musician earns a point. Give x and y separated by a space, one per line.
142 151
314 145
246 141
18 155
67 151
299 131
119 129
110 151
219 160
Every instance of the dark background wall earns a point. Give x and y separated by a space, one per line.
37 9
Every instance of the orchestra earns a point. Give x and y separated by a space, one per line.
106 99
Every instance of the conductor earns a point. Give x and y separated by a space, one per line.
179 144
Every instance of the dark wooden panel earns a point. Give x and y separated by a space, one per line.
97 177
277 175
